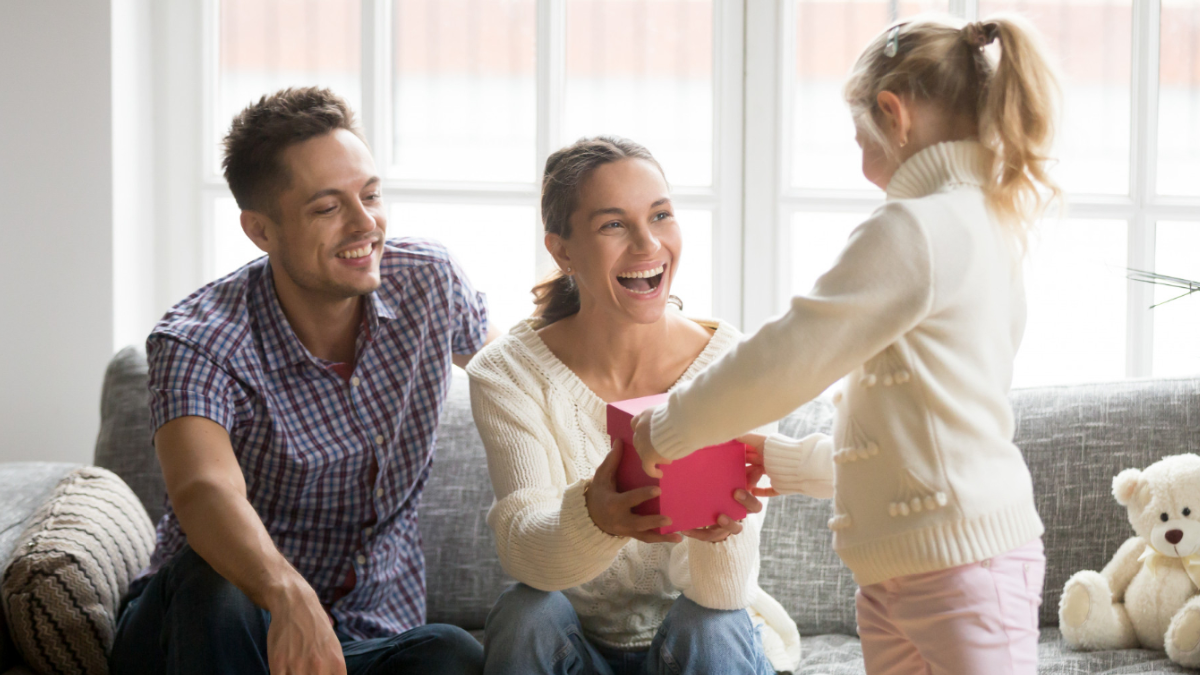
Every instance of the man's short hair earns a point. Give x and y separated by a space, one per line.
254 146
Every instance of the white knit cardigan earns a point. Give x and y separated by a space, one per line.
923 312
544 432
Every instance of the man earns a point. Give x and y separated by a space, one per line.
296 402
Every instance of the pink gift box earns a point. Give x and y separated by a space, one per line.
695 490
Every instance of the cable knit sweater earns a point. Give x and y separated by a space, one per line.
544 432
924 312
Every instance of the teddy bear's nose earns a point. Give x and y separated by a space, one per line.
1174 536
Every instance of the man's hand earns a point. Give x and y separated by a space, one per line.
301 640
645 447
754 465
612 511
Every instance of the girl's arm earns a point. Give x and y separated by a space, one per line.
879 289
800 466
544 535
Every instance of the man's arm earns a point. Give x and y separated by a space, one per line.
461 360
208 494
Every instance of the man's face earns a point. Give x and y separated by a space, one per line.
329 240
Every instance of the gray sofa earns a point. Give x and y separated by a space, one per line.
1075 440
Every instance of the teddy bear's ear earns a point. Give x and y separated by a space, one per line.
1125 485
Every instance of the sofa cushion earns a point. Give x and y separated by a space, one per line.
24 486
125 445
71 566
1074 438
842 655
463 573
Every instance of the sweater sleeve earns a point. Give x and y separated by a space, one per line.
800 466
544 535
720 575
880 288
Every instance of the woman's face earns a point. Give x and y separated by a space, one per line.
625 243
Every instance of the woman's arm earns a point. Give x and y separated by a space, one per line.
544 535
723 574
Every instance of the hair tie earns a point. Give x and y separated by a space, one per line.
893 42
980 35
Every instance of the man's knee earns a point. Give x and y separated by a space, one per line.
206 597
453 648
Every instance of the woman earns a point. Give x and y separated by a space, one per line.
600 592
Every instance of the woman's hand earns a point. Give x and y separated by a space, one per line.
612 511
725 525
645 447
754 465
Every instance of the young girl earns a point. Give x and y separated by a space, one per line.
922 314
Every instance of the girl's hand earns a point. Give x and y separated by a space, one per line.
754 465
612 511
725 525
645 447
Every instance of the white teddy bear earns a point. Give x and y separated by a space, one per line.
1149 593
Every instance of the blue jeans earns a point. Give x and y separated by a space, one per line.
190 620
532 632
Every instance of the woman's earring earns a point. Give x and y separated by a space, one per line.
567 271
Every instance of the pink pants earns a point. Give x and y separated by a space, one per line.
977 619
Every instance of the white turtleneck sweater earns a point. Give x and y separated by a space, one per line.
545 433
922 314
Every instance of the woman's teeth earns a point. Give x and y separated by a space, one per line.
643 282
356 253
644 274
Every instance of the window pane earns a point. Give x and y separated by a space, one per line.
465 98
1177 323
1075 292
266 45
1091 40
493 244
643 69
817 239
231 247
1179 99
829 36
693 282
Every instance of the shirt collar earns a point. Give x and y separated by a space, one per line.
281 345
940 165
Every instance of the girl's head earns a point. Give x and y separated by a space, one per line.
925 81
611 229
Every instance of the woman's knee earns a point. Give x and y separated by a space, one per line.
708 628
525 605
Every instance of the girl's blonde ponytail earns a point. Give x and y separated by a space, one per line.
1017 120
1011 100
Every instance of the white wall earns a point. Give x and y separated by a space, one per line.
56 251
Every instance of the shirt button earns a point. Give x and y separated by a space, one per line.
354 381
369 531
379 440
362 560
379 492
985 564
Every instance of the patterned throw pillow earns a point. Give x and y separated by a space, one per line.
64 583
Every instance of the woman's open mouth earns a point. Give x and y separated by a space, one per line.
643 282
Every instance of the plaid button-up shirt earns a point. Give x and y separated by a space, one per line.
334 468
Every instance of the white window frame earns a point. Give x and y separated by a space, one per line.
750 198
770 199
191 184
